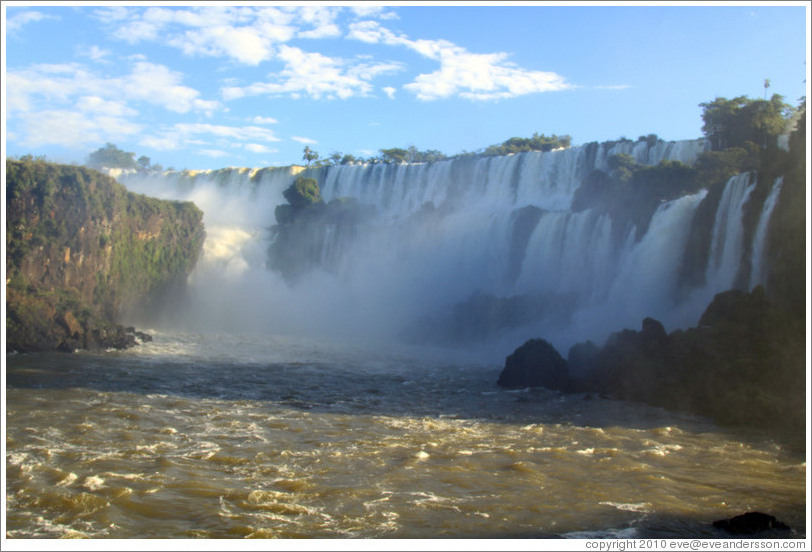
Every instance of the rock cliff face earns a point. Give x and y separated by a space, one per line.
82 251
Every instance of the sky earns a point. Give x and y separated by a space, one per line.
205 85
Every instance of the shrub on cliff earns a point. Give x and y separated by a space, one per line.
303 193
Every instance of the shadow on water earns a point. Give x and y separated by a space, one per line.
412 390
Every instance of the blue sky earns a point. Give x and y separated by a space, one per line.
203 86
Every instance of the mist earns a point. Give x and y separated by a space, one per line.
443 232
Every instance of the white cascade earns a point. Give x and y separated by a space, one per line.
727 243
758 268
500 225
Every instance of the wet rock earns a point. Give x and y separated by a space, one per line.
535 364
69 322
750 523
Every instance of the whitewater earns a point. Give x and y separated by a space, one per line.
446 230
265 408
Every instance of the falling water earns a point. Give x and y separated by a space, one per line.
478 236
758 269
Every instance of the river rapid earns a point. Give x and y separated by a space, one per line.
227 436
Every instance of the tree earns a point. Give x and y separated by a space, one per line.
394 155
110 157
303 193
143 163
733 123
309 155
766 86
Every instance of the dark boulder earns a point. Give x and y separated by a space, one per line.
535 364
750 523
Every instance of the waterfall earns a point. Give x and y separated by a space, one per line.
501 226
728 232
758 267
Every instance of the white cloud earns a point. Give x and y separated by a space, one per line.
246 46
303 140
181 135
461 73
259 148
245 34
481 77
157 84
96 54
73 128
379 12
83 106
147 82
317 76
248 132
100 106
259 120
389 91
17 20
322 20
213 153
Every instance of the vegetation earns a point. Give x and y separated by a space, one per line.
111 157
410 154
734 123
308 232
73 231
538 142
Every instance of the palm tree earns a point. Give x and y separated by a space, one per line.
766 86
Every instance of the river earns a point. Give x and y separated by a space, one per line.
252 436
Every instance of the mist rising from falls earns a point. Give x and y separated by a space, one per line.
442 231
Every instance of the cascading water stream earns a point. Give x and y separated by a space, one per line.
442 231
728 233
758 269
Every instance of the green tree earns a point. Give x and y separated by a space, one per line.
394 155
309 155
304 192
111 157
733 123
144 163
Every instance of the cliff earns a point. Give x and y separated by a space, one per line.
82 251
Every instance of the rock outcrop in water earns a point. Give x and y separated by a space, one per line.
751 523
82 251
535 364
744 363
310 233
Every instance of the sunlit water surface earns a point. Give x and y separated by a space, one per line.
231 437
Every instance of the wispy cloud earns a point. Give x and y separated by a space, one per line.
259 120
260 148
181 135
316 76
84 106
462 73
95 53
303 140
246 35
16 20
146 82
213 153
